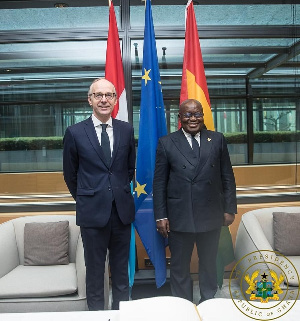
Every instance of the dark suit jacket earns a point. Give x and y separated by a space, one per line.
193 195
90 181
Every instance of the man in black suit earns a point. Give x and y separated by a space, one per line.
99 164
194 195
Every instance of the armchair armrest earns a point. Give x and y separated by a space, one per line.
80 268
9 254
250 237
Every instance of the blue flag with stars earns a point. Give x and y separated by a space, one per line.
152 127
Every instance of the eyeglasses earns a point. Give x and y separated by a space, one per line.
190 115
99 96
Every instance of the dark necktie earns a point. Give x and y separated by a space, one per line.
195 146
105 144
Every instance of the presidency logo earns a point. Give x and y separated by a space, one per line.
264 290
264 285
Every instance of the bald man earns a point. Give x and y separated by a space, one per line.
98 165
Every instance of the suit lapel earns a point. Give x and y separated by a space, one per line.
184 147
92 136
205 148
117 136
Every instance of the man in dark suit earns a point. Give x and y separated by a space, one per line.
194 195
99 164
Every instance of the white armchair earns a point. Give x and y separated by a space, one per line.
26 288
255 233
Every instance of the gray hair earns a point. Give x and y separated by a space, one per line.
98 79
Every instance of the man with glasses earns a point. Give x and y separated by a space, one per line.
99 164
194 194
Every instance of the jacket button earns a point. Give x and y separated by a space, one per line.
110 173
109 188
184 167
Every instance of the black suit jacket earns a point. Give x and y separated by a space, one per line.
192 194
91 182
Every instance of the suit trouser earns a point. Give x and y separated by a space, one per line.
181 247
115 236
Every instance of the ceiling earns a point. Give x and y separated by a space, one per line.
94 3
43 57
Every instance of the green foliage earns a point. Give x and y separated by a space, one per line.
38 143
236 138
264 137
276 137
30 143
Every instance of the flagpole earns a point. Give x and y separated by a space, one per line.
187 5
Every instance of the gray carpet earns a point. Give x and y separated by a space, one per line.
145 288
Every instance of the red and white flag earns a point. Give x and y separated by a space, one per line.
114 67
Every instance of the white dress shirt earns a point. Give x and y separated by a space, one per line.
189 137
109 129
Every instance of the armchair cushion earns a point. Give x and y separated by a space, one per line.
286 233
37 282
46 243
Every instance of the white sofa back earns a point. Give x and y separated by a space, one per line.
262 220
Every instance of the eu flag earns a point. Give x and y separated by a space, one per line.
152 127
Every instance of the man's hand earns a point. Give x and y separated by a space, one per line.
228 219
162 227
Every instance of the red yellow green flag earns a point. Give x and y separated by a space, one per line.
193 85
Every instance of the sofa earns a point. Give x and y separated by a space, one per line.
30 287
259 230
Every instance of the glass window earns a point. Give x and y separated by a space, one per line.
53 18
251 72
40 61
31 135
215 15
275 119
275 139
44 92
230 119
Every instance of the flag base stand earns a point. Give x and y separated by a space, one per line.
145 286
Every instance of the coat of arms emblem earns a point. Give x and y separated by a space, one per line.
266 288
